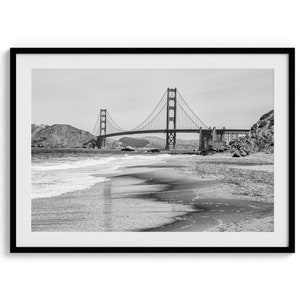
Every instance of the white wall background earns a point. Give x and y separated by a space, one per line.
58 23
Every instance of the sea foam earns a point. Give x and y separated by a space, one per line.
56 176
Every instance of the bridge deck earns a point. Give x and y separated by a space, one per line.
219 131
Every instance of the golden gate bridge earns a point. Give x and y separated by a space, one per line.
170 116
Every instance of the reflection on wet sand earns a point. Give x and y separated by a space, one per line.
107 206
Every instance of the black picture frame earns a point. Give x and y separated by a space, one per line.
291 150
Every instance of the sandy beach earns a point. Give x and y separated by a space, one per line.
179 193
227 194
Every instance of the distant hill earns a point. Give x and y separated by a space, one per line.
113 144
157 142
134 142
58 136
36 128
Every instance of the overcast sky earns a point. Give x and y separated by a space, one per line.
234 98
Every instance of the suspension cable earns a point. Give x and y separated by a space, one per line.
150 113
95 129
187 115
192 110
113 123
153 118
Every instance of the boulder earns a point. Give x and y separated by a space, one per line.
243 152
236 154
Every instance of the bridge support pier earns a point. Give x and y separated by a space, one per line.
222 138
100 142
214 137
171 140
201 140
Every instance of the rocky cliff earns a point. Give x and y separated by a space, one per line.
262 133
58 136
261 136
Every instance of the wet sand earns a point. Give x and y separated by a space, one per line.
218 204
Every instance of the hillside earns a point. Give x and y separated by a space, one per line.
133 142
113 144
158 142
261 137
262 133
36 128
58 136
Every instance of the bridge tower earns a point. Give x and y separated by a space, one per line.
102 128
171 118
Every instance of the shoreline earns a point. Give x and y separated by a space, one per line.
208 193
211 213
106 206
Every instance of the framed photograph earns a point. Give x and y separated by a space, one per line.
152 150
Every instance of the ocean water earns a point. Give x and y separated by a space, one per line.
79 193
56 176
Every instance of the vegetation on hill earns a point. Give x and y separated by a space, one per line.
58 136
36 128
160 143
133 142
